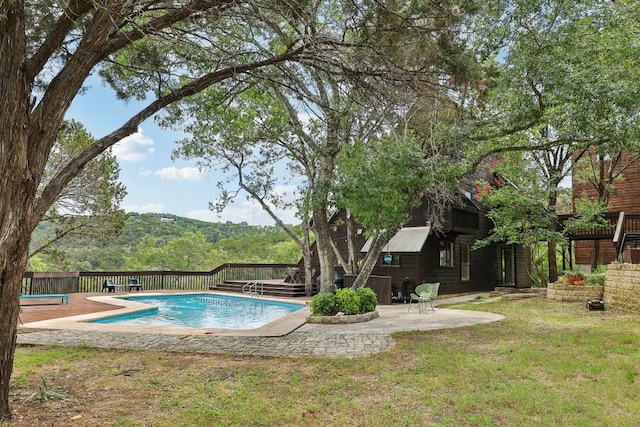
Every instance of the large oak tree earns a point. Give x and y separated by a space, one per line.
157 50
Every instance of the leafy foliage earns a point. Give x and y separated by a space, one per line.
324 304
88 206
348 301
164 241
368 299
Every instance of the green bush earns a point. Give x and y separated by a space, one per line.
368 299
348 301
595 279
323 304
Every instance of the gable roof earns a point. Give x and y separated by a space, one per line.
407 239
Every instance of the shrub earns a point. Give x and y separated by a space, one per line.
323 304
368 299
348 301
595 279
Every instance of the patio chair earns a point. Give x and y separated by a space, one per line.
434 292
422 295
133 284
108 285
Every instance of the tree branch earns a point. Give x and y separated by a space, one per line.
66 174
74 10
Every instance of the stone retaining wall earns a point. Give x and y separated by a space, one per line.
335 320
564 292
622 287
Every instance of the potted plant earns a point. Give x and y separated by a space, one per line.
573 277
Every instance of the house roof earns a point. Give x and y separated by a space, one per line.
407 239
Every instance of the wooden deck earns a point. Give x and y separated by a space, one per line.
35 311
275 288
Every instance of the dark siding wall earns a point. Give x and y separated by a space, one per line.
523 261
424 266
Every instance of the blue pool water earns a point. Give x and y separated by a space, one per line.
204 311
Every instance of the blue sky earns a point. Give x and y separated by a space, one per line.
154 182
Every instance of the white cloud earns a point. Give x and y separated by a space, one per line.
181 174
148 208
244 211
145 172
134 148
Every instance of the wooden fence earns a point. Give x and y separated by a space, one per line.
381 285
37 283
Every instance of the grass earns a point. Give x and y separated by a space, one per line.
547 363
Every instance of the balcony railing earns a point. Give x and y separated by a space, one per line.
591 233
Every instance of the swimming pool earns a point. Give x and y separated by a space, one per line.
203 311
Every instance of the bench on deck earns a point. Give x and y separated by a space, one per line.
64 298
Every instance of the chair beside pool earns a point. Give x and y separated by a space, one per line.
108 285
133 284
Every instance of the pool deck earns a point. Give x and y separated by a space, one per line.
65 325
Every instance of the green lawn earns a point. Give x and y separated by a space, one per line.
546 364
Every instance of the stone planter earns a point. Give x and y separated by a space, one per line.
559 291
344 319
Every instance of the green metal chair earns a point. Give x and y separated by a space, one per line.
434 292
422 295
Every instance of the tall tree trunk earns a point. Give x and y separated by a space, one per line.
320 200
370 260
17 185
324 249
595 255
352 262
306 258
551 244
552 260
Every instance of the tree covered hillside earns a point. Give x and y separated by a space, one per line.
169 242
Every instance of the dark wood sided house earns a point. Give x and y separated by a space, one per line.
418 253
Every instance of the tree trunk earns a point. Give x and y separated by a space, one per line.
352 262
17 185
370 261
325 250
306 258
10 284
552 261
595 255
551 244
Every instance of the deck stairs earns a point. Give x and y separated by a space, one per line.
276 288
630 244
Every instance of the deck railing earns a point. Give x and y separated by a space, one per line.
35 283
592 233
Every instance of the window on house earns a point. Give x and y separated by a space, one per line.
446 253
465 262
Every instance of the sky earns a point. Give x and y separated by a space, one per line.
154 182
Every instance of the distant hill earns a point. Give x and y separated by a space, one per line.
242 242
170 226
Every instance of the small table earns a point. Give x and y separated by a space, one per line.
294 274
